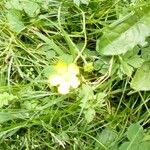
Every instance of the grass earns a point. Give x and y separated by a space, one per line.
96 115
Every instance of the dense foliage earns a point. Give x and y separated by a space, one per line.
107 43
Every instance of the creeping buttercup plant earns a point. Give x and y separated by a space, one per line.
74 74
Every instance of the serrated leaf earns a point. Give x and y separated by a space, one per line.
135 61
146 53
126 68
15 22
89 114
127 35
141 79
135 133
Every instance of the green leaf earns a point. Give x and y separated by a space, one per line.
5 98
135 61
85 1
108 138
126 68
14 19
128 146
48 70
139 146
144 145
50 54
78 2
89 114
141 79
6 116
145 52
14 4
68 59
125 36
31 8
135 133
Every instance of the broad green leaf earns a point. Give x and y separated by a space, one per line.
14 4
125 36
141 79
31 8
135 133
129 146
137 146
144 145
14 20
108 138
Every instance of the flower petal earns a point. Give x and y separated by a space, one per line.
74 82
73 69
61 67
55 80
64 88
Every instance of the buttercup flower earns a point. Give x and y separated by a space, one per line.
74 82
64 88
65 77
55 80
61 67
72 68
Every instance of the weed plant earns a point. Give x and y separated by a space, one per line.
108 41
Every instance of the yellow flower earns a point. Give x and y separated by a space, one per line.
65 77
72 68
61 67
